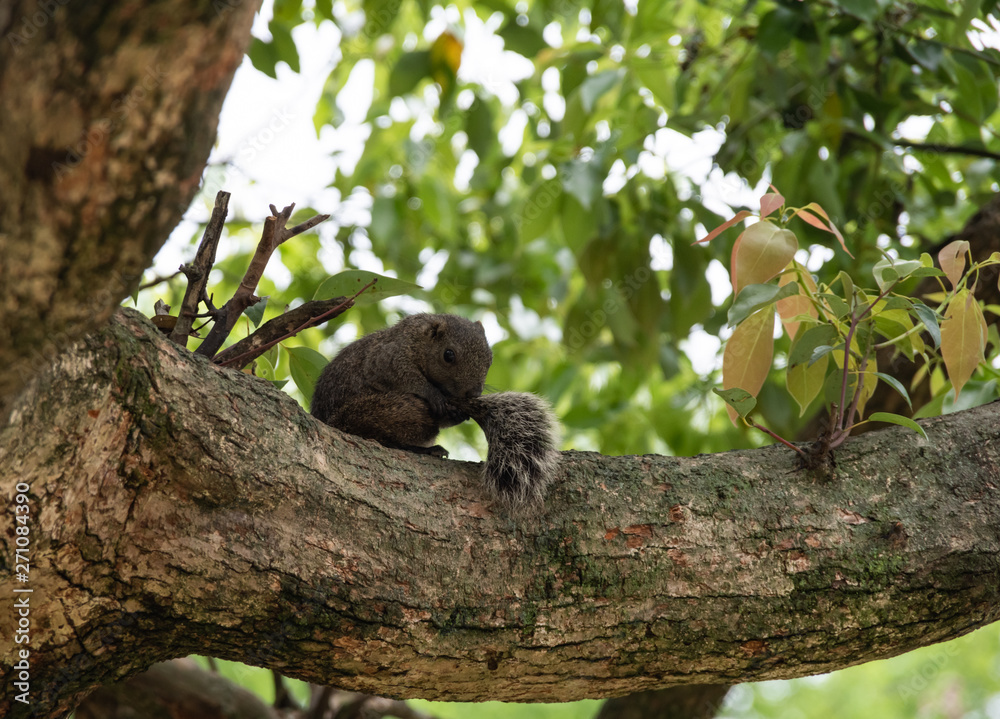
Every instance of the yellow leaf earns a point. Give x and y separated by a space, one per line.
963 338
446 58
747 358
868 384
952 259
760 253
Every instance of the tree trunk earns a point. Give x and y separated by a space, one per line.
110 111
176 507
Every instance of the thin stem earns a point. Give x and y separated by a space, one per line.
778 437
305 325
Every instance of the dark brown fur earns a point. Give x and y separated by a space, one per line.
396 385
403 384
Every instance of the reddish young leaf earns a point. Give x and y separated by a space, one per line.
952 259
816 222
798 304
741 215
770 202
748 354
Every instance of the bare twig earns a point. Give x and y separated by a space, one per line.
344 303
280 328
283 698
273 235
157 280
949 149
197 272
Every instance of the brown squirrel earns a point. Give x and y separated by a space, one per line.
402 384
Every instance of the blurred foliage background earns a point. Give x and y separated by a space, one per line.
546 166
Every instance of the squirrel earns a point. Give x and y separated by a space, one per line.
402 384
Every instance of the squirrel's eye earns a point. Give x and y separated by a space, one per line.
449 356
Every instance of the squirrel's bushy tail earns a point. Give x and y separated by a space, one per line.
523 437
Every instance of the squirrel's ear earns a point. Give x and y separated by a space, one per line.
434 328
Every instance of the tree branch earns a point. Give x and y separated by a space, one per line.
938 147
197 272
273 234
310 314
185 508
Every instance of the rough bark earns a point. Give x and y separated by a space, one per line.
180 507
110 110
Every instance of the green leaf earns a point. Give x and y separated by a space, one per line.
887 272
927 53
256 311
846 284
536 214
897 419
594 87
305 364
740 400
838 307
803 349
805 381
348 282
525 40
379 16
896 385
822 350
583 180
479 128
263 368
755 297
863 9
264 56
930 319
409 70
927 272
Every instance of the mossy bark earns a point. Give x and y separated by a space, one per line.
177 507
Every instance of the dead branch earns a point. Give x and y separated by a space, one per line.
273 235
197 272
287 325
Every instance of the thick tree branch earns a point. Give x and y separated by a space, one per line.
110 111
184 508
